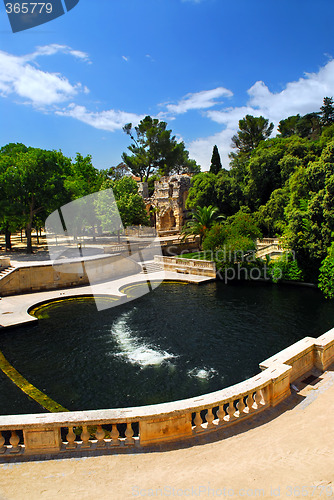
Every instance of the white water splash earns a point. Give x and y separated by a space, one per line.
134 349
202 373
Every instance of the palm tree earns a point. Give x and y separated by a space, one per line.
202 219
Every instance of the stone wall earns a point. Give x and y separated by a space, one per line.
49 277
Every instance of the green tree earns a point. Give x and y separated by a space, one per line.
130 205
310 212
216 165
271 216
202 192
37 180
288 126
83 178
327 112
326 275
252 130
154 149
202 219
233 240
309 126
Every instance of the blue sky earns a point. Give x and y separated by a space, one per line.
71 84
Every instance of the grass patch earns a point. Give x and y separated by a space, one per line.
205 255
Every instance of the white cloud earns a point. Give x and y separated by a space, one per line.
40 88
110 120
302 96
199 100
125 58
37 87
54 48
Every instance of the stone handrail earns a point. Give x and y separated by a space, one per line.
267 241
193 266
76 432
274 247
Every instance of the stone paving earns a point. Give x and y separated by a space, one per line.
13 309
284 453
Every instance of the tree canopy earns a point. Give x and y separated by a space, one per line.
154 149
286 184
252 130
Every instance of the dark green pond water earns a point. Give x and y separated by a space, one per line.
178 341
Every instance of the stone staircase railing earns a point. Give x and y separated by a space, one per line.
187 266
273 248
76 432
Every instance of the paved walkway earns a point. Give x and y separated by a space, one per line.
13 309
284 453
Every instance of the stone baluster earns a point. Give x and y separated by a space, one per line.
266 395
14 441
129 434
198 421
71 444
100 434
221 414
2 444
115 436
231 411
250 402
209 417
85 435
241 407
258 399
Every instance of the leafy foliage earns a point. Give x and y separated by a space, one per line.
326 275
252 130
202 219
154 149
285 268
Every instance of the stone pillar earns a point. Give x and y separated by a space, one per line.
42 440
324 350
279 389
165 429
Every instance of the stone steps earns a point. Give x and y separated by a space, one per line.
5 270
151 267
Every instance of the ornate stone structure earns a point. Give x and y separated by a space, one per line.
167 205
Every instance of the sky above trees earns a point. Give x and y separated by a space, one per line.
199 65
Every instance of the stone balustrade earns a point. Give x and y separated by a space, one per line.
76 432
4 262
190 266
273 248
267 241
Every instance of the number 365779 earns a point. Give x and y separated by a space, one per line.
28 8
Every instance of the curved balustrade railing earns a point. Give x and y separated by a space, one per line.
76 432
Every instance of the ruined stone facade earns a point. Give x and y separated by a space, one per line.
167 205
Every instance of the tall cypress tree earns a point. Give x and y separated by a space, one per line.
216 165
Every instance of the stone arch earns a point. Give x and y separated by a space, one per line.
167 221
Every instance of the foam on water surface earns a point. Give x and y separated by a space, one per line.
134 349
